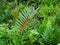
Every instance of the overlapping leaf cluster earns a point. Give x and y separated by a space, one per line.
43 30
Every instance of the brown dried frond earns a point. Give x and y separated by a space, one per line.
21 28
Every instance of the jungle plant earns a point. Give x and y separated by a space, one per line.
25 17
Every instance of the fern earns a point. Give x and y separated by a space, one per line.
25 17
48 36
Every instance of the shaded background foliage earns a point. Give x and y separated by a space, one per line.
46 31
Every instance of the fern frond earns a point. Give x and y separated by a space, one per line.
25 16
48 35
47 31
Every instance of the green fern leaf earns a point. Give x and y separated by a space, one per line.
25 17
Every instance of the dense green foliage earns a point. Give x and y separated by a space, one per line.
43 30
